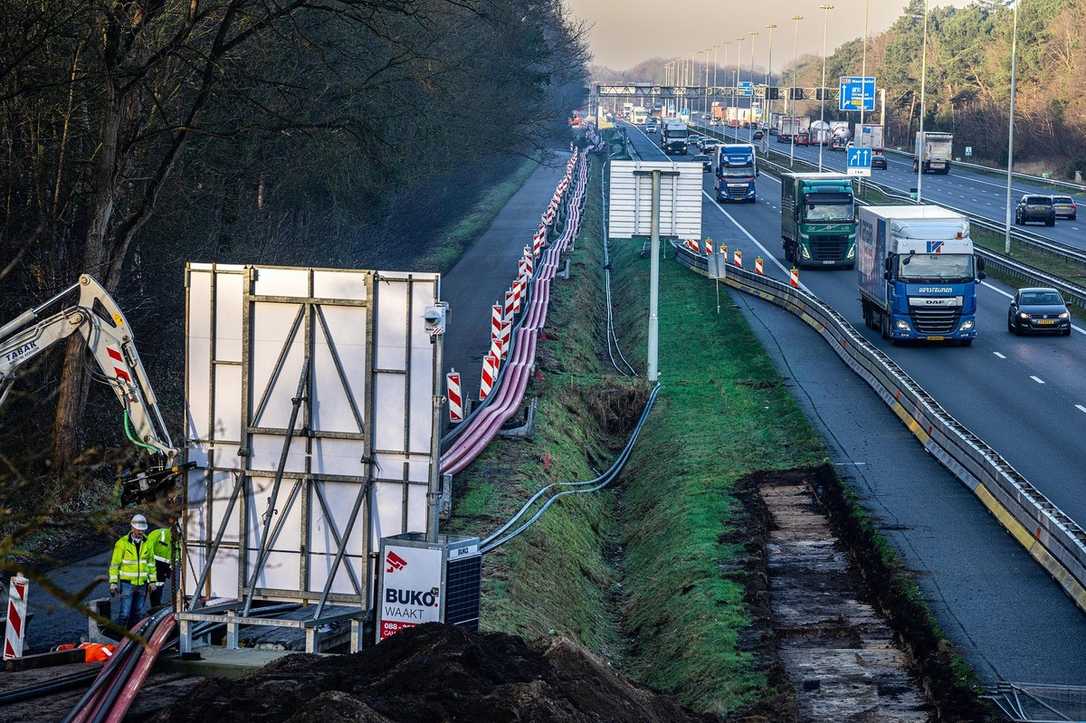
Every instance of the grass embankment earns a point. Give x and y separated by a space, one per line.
560 576
458 236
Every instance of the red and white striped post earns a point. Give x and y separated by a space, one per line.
708 247
503 338
739 258
490 373
15 635
456 399
538 241
759 266
793 278
724 252
510 302
518 290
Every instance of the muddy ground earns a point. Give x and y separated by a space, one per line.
434 673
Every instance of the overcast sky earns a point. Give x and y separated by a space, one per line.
625 32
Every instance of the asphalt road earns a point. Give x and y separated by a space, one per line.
1003 611
977 192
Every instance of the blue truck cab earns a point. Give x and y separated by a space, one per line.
736 172
918 273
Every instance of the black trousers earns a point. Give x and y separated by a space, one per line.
163 573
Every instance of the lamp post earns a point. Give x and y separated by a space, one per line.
923 107
735 90
863 74
716 65
750 127
792 92
822 88
768 79
1010 127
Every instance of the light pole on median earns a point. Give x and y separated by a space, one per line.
1010 127
923 107
768 79
716 65
705 105
735 90
750 127
792 94
822 87
863 74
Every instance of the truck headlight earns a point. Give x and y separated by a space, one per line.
967 325
804 251
902 325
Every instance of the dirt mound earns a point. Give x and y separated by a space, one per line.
434 673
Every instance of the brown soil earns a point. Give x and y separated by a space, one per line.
434 673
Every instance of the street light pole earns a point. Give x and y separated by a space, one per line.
822 88
735 90
705 105
750 127
863 74
768 80
716 65
923 108
1010 128
791 94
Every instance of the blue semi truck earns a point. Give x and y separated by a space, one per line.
918 273
736 172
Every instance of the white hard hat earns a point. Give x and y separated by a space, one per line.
139 522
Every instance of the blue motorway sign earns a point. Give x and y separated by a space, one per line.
858 161
857 91
745 88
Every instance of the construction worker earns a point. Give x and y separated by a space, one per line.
161 541
132 572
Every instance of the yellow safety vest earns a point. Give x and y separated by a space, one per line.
132 562
161 541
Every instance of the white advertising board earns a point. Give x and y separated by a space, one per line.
339 363
410 588
630 201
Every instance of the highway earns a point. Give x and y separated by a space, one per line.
1021 394
976 192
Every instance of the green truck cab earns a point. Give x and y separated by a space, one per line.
818 219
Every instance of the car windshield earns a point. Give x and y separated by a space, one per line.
935 267
1041 298
1038 201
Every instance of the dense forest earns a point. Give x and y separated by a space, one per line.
137 135
968 84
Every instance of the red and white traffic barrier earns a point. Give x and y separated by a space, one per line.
724 252
456 400
759 266
503 338
508 308
15 635
496 318
518 291
490 373
708 247
793 278
739 258
693 245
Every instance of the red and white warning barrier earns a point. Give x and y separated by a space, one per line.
708 247
739 258
538 242
507 308
759 266
497 316
503 338
793 278
693 245
518 291
724 252
15 635
456 400
490 373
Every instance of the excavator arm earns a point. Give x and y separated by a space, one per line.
96 316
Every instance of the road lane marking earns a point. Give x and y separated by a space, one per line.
1037 379
1080 408
999 355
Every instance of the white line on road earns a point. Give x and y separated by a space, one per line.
1080 408
1037 379
999 355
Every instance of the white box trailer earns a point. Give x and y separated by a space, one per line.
311 417
933 152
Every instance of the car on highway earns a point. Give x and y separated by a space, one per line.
1034 207
706 162
650 127
1038 310
710 145
1065 207
759 134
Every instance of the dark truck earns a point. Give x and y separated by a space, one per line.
736 172
818 219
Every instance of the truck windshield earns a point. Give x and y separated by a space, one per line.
677 133
935 267
745 171
828 207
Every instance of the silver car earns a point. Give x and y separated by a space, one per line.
1065 207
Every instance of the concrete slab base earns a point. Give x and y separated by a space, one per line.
218 662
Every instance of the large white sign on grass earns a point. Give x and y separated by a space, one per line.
630 203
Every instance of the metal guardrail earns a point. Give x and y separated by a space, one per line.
1050 536
1001 171
1033 239
1073 293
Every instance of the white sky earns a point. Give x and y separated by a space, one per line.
625 32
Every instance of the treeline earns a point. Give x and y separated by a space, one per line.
138 134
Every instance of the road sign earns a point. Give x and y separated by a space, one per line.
759 90
857 92
968 151
858 161
745 88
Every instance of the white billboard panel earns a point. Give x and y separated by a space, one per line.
309 415
630 201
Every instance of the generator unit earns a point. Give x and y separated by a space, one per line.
428 582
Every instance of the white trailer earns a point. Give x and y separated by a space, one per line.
933 151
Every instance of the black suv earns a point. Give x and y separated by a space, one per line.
1035 208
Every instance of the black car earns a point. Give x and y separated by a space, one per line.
1035 208
706 162
758 135
1038 310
